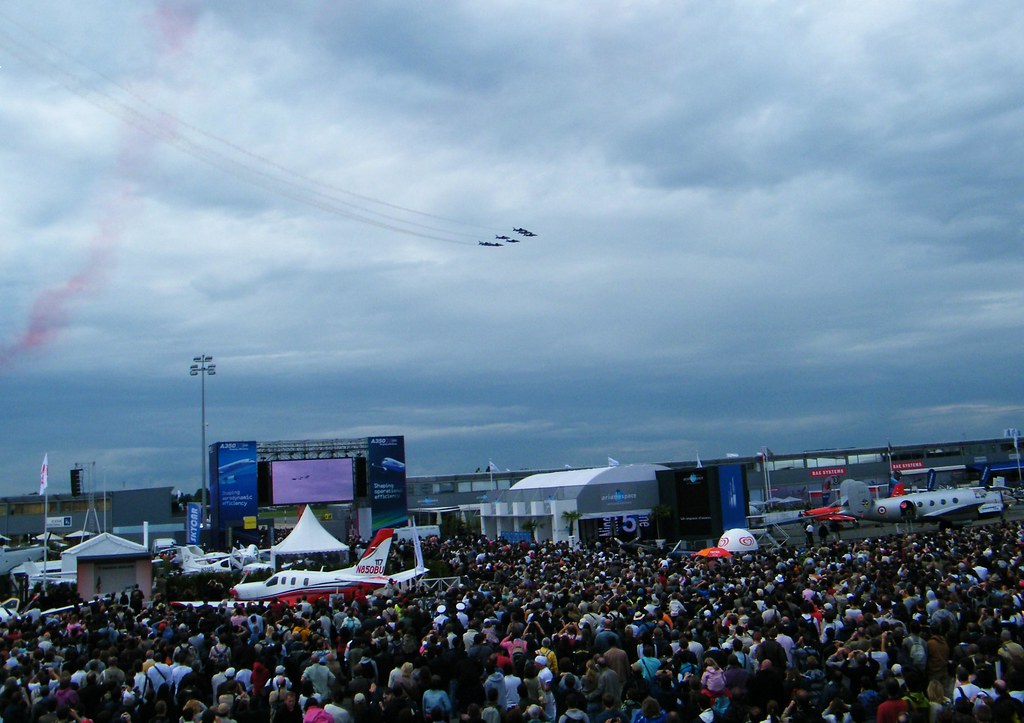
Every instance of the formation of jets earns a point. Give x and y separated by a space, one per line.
502 240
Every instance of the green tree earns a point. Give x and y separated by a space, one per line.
570 517
531 525
453 526
659 513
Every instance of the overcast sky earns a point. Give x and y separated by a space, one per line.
776 223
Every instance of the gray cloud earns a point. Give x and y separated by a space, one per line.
783 224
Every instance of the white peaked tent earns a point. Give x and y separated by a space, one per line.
308 536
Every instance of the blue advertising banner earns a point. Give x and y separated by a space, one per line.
235 481
733 496
193 512
385 482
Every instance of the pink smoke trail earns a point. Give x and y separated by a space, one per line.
52 307
51 311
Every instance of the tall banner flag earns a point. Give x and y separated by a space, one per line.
234 481
193 513
43 473
385 472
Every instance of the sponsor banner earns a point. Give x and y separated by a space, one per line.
235 465
733 494
907 465
193 520
516 536
616 525
385 482
828 472
618 498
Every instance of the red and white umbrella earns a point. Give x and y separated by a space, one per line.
713 552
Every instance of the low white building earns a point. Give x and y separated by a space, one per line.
107 563
614 500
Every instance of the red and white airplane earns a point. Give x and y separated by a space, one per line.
364 577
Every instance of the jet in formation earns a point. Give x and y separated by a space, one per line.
501 240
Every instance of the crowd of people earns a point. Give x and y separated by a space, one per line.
911 628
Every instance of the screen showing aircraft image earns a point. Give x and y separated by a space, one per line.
301 481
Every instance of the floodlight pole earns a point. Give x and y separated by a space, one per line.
202 367
1016 452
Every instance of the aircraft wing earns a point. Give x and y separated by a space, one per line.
833 513
836 517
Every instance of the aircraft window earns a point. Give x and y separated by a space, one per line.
955 500
293 581
272 581
305 581
931 503
942 501
920 503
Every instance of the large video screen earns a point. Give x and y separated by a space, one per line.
304 481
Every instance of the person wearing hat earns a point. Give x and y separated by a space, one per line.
219 680
461 615
547 652
441 617
640 624
278 686
544 674
319 675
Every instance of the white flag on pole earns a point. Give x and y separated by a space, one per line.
43 473
491 467
613 462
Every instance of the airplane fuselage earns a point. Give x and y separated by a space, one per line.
363 578
293 585
949 505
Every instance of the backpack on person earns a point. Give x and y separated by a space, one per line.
918 707
519 655
915 653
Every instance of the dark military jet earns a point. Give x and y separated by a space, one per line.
503 238
489 243
524 232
